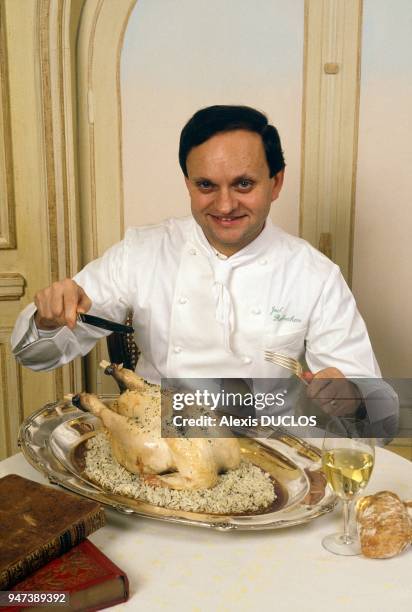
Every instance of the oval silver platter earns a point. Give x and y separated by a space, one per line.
53 440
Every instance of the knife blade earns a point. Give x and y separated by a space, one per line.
105 324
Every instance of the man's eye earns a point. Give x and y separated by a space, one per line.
204 185
245 184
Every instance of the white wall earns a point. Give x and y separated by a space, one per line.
382 280
181 55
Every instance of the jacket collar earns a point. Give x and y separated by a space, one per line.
259 246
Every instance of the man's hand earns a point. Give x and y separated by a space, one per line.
59 304
336 395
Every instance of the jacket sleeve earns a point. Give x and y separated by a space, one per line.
337 334
338 337
106 282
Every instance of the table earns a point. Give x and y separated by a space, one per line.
178 568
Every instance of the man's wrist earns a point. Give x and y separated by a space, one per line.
40 326
43 332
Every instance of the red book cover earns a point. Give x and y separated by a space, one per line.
91 579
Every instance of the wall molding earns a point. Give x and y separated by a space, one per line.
57 24
100 42
11 409
11 286
7 200
330 126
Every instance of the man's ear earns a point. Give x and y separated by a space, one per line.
277 184
187 182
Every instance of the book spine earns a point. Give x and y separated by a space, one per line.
52 549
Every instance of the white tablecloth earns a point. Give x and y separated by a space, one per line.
172 567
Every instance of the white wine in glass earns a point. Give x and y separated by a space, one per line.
347 460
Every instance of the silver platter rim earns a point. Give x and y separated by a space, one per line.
34 443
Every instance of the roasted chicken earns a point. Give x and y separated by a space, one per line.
134 426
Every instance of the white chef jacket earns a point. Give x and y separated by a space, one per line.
279 294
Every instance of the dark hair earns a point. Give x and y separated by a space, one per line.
214 119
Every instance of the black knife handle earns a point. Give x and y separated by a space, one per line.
105 324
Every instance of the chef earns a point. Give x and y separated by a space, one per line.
211 292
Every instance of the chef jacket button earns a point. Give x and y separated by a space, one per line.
246 360
256 311
177 349
263 262
193 252
182 300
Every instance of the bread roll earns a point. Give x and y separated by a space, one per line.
384 524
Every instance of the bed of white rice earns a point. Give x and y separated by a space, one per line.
248 488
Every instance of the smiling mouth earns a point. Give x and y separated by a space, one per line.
227 221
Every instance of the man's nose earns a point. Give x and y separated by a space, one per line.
225 202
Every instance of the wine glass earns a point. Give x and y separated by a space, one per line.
347 460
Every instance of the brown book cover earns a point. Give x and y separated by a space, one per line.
92 581
39 523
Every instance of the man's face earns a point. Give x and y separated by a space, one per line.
230 188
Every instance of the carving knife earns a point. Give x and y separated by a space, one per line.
105 324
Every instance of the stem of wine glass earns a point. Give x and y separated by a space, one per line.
346 537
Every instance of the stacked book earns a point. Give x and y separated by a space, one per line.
43 548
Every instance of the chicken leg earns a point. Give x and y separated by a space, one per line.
133 445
